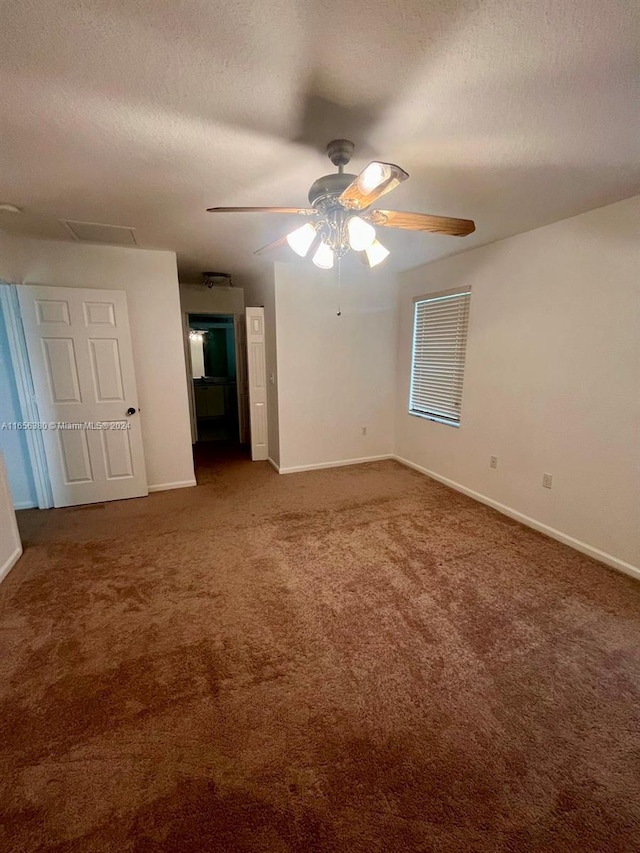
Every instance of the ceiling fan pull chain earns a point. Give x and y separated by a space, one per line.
339 312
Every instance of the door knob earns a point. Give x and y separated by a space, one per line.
131 410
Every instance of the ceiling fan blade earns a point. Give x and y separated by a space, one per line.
374 180
281 241
302 211
422 222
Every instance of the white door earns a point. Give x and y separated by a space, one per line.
257 375
79 348
240 334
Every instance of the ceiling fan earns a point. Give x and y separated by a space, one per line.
340 214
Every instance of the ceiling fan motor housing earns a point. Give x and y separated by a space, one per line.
325 191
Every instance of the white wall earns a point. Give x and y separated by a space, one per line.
261 293
151 283
10 547
336 374
552 381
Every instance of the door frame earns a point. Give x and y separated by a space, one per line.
26 393
242 388
189 367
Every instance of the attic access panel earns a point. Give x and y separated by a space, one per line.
96 232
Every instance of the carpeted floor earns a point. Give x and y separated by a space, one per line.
355 660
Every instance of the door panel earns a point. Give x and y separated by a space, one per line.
116 450
52 311
257 375
79 347
74 453
99 314
107 376
62 370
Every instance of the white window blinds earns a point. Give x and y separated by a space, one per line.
440 326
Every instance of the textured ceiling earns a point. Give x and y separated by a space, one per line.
514 113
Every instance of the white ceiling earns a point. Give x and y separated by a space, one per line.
514 113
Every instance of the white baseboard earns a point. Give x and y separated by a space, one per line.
583 547
274 464
339 463
163 487
10 563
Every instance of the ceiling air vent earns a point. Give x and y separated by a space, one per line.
96 232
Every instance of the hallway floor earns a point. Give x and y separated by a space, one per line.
353 660
212 457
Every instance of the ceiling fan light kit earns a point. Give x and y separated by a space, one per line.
301 239
376 253
341 219
324 256
361 233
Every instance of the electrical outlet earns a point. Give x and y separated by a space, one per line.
547 479
364 430
493 461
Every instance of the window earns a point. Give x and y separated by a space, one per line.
440 325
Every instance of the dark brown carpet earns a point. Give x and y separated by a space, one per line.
356 659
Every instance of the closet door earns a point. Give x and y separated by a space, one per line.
257 374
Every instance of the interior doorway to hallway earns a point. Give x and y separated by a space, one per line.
218 388
214 376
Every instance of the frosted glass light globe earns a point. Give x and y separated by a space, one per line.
323 258
361 234
376 253
301 239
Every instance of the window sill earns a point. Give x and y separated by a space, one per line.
434 418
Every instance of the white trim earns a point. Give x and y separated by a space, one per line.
10 563
578 545
274 464
163 487
337 464
14 533
26 394
189 370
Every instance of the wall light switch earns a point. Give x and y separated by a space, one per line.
493 461
547 479
364 430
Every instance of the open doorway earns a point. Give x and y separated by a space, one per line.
216 378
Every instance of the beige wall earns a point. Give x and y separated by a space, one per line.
336 374
10 547
151 283
199 299
552 380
